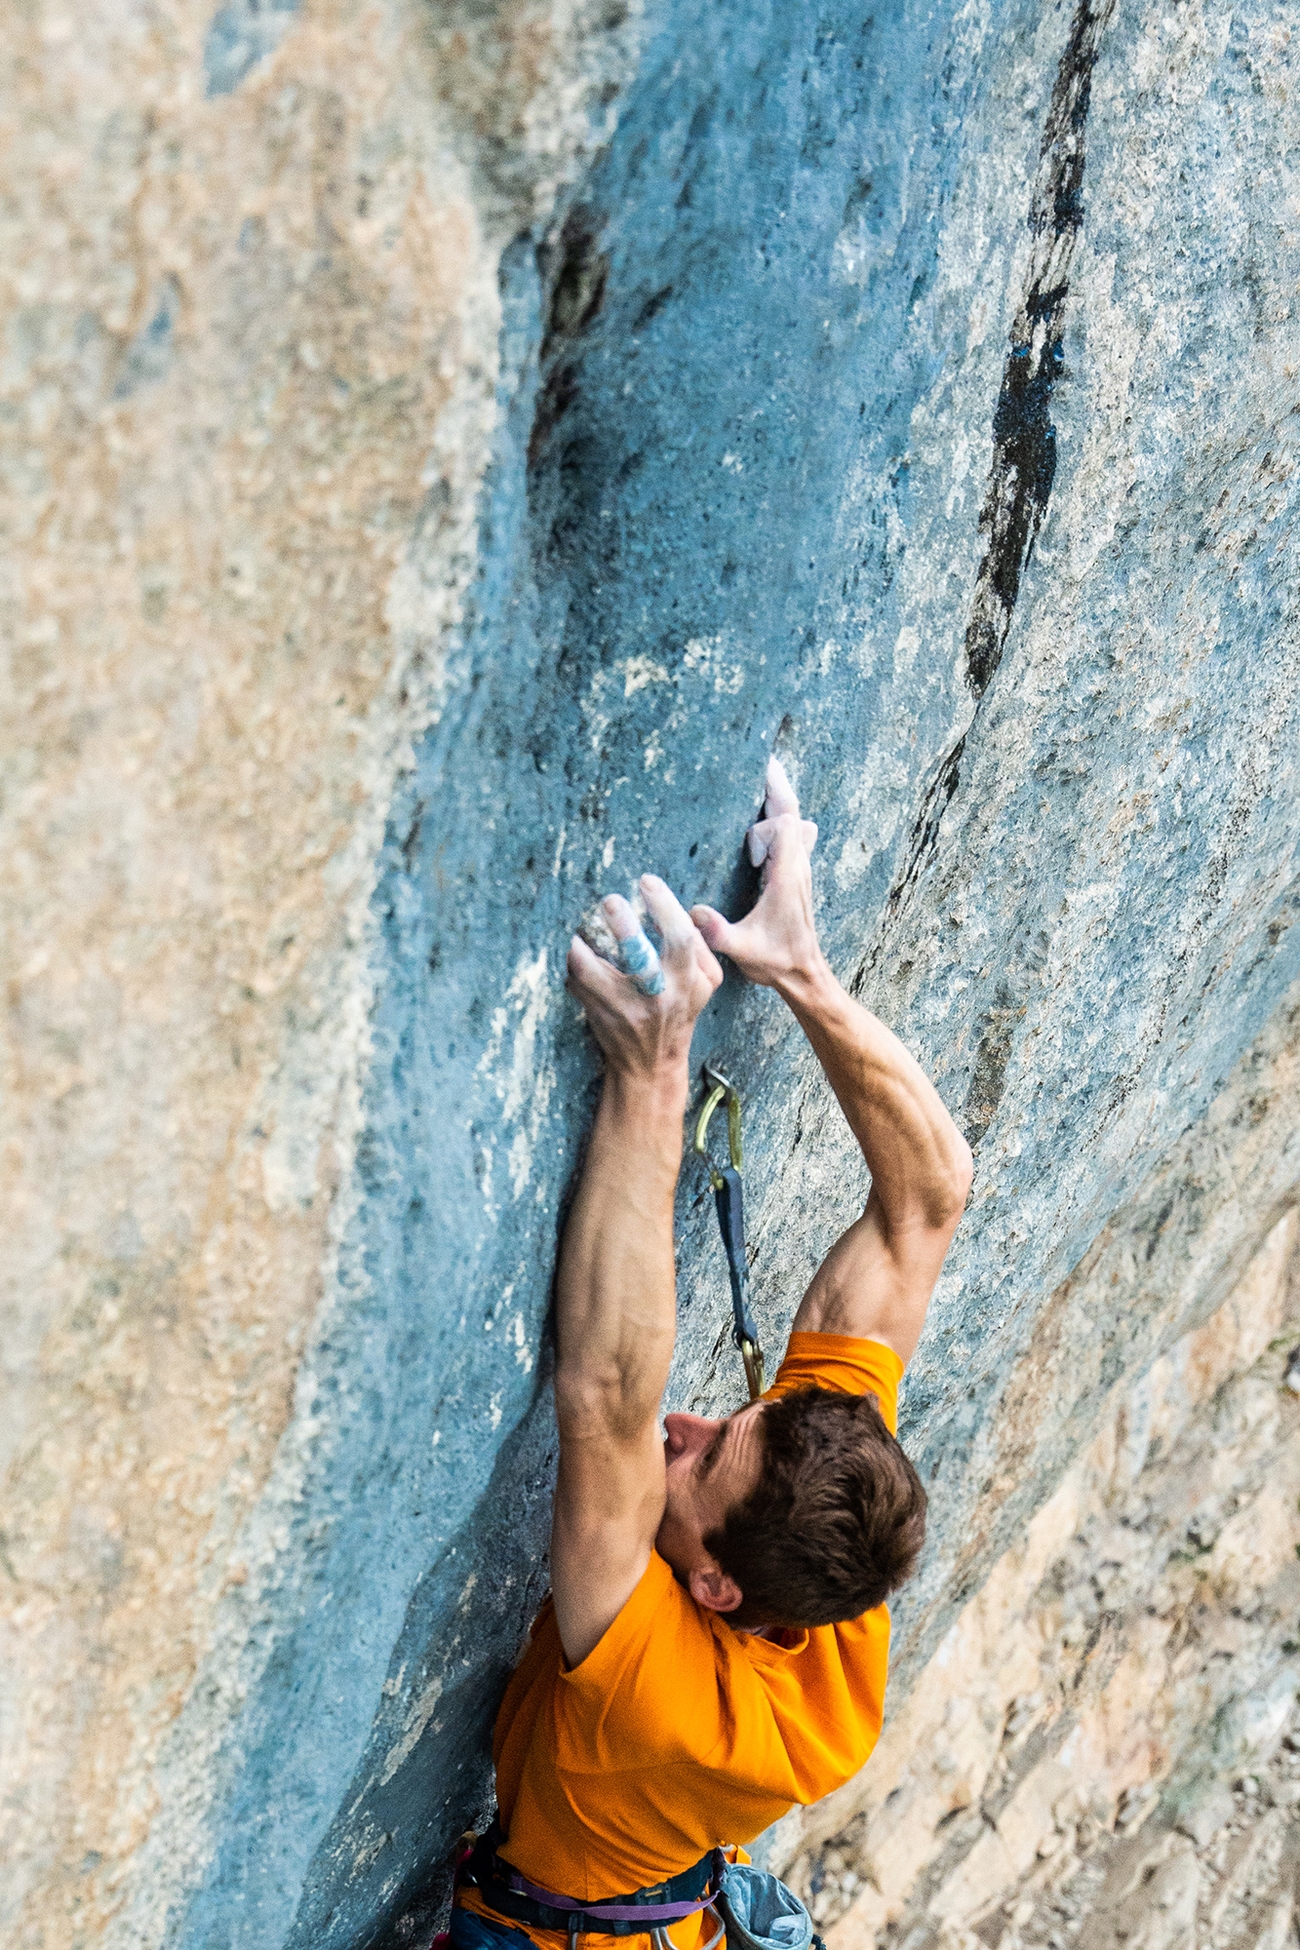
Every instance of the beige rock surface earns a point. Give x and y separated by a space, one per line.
247 393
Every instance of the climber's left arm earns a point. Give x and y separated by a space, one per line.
615 1285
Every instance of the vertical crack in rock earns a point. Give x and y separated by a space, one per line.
575 271
1024 439
925 832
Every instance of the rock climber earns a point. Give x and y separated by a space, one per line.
715 1646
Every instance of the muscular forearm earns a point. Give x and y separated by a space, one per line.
919 1161
615 1292
615 1288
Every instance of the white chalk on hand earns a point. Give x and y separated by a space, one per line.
634 950
781 799
642 963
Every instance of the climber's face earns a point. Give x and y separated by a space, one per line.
711 1465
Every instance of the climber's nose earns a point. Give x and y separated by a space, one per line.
686 1435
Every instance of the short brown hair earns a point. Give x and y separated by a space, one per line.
836 1521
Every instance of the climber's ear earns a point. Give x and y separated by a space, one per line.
712 1588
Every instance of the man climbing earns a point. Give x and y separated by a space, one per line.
716 1644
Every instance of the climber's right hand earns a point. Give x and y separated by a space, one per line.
645 1034
777 940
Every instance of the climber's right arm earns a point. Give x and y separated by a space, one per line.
877 1279
615 1284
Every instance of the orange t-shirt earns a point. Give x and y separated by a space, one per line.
677 1732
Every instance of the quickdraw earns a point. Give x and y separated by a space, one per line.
728 1194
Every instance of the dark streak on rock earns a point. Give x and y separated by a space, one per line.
925 832
651 309
1024 439
989 1075
575 272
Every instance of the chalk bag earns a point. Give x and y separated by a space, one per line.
760 1912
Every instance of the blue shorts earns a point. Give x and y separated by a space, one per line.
471 1932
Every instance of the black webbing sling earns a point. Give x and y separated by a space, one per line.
728 1194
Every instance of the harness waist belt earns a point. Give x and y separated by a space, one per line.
513 1895
615 1912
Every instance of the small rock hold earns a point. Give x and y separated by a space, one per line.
1023 1710
1203 1823
1202 1533
1135 1804
1291 1377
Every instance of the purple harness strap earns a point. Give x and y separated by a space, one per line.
611 1912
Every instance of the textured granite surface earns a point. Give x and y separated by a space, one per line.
447 448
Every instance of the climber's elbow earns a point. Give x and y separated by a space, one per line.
958 1179
938 1199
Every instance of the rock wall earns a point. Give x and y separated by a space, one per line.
446 447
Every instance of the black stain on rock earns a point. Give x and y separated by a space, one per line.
651 309
553 401
925 832
989 1075
1024 438
577 273
574 270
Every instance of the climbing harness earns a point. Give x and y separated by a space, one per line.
754 1910
728 1194
646 1912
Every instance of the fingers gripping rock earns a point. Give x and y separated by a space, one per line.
781 802
781 795
762 837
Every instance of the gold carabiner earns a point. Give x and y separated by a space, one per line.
752 1356
721 1087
